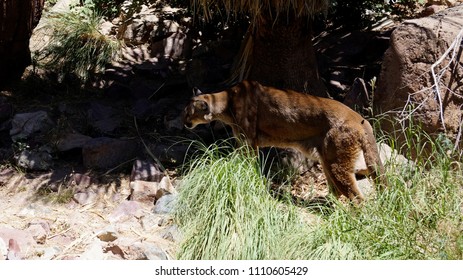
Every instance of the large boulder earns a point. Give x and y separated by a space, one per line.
406 77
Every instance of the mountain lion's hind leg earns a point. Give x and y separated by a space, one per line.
339 153
344 180
329 181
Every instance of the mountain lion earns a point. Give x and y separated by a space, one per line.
267 116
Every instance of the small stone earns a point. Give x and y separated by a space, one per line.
125 211
35 160
81 181
106 152
146 171
49 253
174 124
106 28
85 198
165 187
107 235
43 223
165 205
26 124
94 252
3 250
390 156
14 251
103 118
170 154
72 141
18 241
433 9
150 222
366 187
115 249
143 191
150 251
38 233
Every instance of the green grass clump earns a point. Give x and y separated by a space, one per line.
226 212
76 45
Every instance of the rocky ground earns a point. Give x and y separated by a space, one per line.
93 225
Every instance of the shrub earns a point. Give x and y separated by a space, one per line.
76 45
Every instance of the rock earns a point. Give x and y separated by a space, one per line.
165 187
150 222
433 9
103 152
42 223
366 187
390 156
168 153
33 210
18 241
148 192
115 250
106 28
71 141
38 233
143 191
170 41
165 205
452 3
86 197
150 251
93 252
49 253
26 124
174 124
406 76
80 182
103 118
125 211
146 171
34 160
172 233
3 250
14 251
107 235
135 32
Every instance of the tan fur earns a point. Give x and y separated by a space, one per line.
267 116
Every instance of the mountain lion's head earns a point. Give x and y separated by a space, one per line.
196 112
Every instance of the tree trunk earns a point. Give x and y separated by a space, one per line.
283 55
17 20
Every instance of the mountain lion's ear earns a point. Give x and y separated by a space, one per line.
196 91
201 105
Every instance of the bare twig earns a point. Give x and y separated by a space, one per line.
456 44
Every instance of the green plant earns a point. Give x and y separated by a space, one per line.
62 195
226 212
76 45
